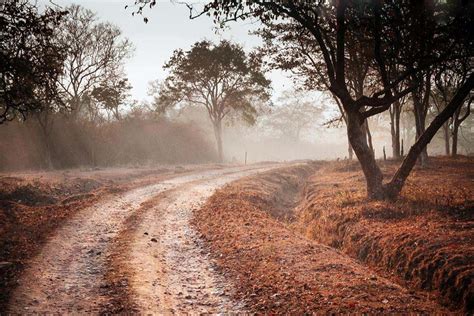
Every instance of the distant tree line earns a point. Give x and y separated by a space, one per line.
62 68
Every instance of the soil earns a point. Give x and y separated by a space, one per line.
73 269
335 251
269 239
34 204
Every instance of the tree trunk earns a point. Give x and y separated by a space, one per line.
454 150
48 153
446 138
420 119
218 133
395 129
46 124
457 121
357 132
349 149
394 187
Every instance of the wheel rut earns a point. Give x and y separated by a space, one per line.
169 270
68 274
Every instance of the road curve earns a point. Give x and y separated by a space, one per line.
175 276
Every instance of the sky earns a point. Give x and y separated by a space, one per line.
168 28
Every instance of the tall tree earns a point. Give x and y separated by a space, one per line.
387 27
30 59
447 80
420 97
458 117
292 48
395 114
96 52
221 77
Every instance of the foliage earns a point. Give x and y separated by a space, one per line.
30 59
111 94
220 77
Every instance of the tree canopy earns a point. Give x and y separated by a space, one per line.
221 77
391 47
30 58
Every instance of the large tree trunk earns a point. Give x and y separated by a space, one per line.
349 149
420 119
394 187
357 133
218 133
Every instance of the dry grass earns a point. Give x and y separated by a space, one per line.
425 238
278 270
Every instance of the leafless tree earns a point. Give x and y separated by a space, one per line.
96 52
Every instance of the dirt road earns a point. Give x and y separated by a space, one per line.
167 269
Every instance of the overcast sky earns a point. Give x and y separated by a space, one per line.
168 28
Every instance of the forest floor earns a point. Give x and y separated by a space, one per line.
274 238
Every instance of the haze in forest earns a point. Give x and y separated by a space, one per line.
277 131
236 157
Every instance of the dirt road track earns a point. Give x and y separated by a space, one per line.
175 276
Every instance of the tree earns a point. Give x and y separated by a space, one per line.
292 48
420 97
458 118
221 77
293 114
389 28
111 93
447 80
30 59
96 52
395 114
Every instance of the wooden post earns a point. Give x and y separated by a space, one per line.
384 154
246 158
402 149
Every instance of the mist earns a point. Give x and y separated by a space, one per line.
236 157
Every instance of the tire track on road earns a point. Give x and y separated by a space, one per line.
68 275
169 271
